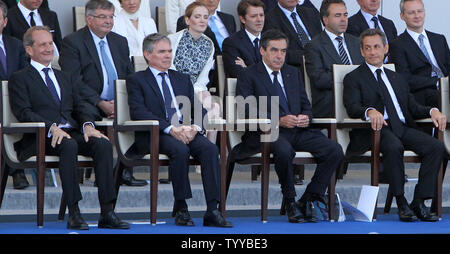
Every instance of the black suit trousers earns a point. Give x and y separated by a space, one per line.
202 150
100 150
328 154
428 148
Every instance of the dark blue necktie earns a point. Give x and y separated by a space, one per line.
282 97
301 33
375 21
256 46
170 111
3 61
51 87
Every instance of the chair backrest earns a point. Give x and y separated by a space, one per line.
55 63
126 139
220 76
445 107
161 20
8 118
139 63
79 17
307 81
234 137
339 73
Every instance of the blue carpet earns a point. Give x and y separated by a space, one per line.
385 224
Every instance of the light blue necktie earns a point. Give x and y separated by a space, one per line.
219 37
435 70
110 72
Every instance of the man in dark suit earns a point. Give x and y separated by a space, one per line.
220 25
98 56
40 94
29 13
367 18
300 29
421 56
305 3
242 48
12 3
332 46
376 94
272 78
153 95
12 59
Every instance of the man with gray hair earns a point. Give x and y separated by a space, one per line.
98 57
421 56
39 93
154 94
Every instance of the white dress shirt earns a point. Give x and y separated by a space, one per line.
288 14
336 43
219 24
108 52
279 77
252 37
369 21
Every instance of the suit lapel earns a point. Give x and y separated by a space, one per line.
115 49
92 49
362 21
373 83
289 87
353 49
329 47
227 25
436 50
266 80
414 46
287 23
40 83
248 44
153 84
20 18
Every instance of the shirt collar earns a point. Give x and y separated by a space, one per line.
286 11
156 72
25 11
270 70
39 66
415 35
252 37
97 39
368 16
333 36
373 69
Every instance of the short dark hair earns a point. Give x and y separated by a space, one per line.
372 32
324 8
244 4
272 35
93 5
4 9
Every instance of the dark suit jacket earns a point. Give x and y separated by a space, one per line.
412 63
361 91
79 57
12 3
228 21
17 25
358 24
238 45
15 57
255 81
276 19
31 101
271 3
320 57
146 102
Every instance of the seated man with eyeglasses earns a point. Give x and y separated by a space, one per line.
98 57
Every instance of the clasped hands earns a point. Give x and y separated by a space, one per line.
184 133
377 119
107 107
292 121
58 134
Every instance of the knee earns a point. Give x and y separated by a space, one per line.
69 145
102 144
180 151
393 148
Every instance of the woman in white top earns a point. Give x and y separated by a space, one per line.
193 54
174 10
134 26
145 8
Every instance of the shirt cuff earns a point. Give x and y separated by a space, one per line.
365 113
432 110
49 134
167 130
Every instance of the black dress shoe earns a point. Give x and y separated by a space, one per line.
110 220
405 213
183 218
19 179
422 211
128 178
307 209
293 213
77 222
215 219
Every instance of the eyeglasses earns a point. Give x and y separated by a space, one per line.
103 17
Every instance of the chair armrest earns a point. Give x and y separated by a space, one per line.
104 123
323 120
28 125
253 121
353 123
141 123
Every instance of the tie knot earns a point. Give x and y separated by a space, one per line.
421 37
374 19
256 40
275 73
45 70
101 43
32 13
379 71
293 15
162 74
339 38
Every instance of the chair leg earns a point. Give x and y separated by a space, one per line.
342 170
265 180
40 196
331 197
389 199
223 172
62 208
436 206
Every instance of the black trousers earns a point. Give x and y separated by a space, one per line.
428 148
100 150
327 152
